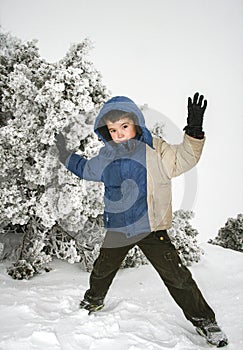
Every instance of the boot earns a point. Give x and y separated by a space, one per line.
92 306
213 334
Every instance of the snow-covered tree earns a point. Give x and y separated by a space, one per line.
231 235
183 236
39 99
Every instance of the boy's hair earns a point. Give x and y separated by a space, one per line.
114 116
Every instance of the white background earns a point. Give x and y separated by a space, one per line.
159 52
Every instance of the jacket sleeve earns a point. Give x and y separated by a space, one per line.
85 169
180 158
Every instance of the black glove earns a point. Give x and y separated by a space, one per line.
62 148
195 116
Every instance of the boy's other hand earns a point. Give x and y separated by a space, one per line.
60 141
196 109
62 147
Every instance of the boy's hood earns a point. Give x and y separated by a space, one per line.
125 104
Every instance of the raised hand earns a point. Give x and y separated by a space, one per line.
196 109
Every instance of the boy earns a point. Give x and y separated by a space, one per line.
136 170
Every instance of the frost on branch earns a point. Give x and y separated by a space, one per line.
231 235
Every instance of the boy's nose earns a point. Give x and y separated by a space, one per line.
120 134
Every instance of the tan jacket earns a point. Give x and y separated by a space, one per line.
164 162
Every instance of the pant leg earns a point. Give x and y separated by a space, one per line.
178 279
104 270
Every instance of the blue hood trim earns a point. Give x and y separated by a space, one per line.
125 104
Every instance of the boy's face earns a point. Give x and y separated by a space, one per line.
121 130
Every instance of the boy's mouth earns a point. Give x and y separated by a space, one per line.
121 141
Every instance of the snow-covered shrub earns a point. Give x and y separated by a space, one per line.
231 235
39 99
183 236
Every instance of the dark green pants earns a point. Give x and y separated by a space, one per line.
162 254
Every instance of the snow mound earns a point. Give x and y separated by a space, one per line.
43 313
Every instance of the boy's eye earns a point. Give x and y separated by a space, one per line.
112 130
125 126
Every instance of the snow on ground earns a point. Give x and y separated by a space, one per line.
43 313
